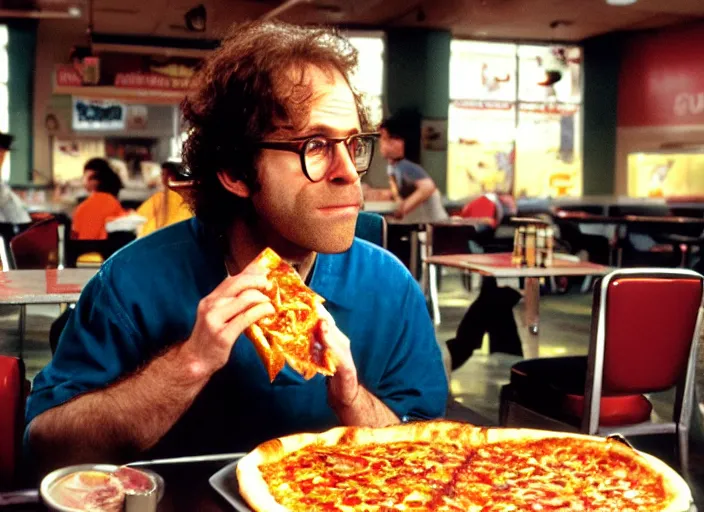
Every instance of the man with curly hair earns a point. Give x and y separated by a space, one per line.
153 362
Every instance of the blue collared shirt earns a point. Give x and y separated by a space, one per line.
144 299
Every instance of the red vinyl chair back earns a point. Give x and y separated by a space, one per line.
649 326
481 207
37 247
12 400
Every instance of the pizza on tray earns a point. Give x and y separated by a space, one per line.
452 467
289 335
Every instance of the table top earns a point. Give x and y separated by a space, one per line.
450 221
500 265
588 218
50 286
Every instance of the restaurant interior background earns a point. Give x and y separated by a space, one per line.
85 78
593 102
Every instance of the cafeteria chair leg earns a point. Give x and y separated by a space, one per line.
433 292
683 441
586 284
22 326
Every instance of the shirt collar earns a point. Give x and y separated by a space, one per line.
329 274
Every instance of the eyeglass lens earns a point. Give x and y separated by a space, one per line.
319 154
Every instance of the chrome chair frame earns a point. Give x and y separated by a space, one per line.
515 414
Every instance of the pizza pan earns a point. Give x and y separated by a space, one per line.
53 477
225 484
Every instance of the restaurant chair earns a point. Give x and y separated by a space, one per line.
644 336
372 228
8 230
115 241
4 256
447 239
13 393
37 247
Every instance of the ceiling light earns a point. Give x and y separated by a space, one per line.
74 12
621 2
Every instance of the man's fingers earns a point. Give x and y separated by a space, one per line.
225 309
233 286
239 323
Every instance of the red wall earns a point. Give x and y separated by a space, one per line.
661 81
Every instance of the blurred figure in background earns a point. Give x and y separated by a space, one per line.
166 206
418 197
11 207
103 186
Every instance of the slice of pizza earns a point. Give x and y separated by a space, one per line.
290 334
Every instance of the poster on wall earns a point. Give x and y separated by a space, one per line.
481 152
665 174
89 114
70 154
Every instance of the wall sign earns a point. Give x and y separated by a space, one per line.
98 115
662 79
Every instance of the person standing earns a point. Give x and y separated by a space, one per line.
415 192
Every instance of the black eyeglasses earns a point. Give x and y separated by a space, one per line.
318 153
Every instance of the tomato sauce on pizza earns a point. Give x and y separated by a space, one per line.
290 334
449 467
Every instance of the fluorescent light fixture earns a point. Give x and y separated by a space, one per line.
621 2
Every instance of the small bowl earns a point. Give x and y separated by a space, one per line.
50 480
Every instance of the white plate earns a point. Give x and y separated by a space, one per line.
225 484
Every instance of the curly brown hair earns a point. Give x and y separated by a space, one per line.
241 94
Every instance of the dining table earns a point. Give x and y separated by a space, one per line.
48 286
685 232
412 235
500 265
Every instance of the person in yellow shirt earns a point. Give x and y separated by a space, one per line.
103 186
165 207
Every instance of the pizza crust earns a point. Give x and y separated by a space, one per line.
255 490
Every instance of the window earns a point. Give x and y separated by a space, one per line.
4 97
514 120
369 76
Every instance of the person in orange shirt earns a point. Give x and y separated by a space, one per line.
103 186
165 207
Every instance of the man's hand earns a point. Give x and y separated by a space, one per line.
352 403
400 211
224 315
343 387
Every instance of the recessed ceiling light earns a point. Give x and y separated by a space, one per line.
74 12
621 2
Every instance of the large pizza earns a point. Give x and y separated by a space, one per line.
451 467
289 335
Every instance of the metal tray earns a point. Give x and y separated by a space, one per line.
225 484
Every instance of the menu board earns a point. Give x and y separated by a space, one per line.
482 70
98 115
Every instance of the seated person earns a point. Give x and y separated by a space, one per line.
153 361
166 207
103 186
412 188
12 210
